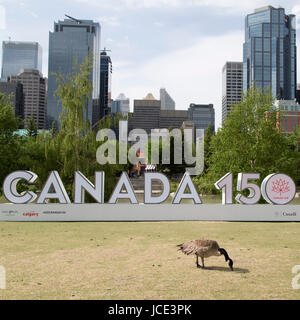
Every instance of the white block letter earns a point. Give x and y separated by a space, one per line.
148 192
82 184
59 193
186 182
118 194
10 187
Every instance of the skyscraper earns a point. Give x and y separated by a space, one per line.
35 96
15 92
202 115
172 118
146 114
270 52
72 40
167 103
288 115
104 107
17 55
232 86
298 93
121 105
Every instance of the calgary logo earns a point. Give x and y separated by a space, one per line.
31 214
280 186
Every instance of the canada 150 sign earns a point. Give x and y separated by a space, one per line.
277 188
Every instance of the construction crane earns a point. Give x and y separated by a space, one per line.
76 20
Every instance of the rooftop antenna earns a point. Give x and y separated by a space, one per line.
105 50
76 20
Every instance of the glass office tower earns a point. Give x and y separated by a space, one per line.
72 40
18 55
269 59
167 103
105 84
202 115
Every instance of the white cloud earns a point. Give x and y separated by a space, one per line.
193 74
33 14
110 21
2 17
119 64
158 24
296 11
233 6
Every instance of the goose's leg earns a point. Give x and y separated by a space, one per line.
202 262
197 263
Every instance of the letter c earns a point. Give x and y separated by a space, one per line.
10 187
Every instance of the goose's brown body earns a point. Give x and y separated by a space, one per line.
204 248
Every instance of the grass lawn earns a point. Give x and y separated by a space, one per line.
141 261
2 199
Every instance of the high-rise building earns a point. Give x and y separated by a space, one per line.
148 115
18 55
145 114
269 60
35 96
232 86
104 107
167 103
172 118
72 40
288 115
298 93
15 92
202 115
121 105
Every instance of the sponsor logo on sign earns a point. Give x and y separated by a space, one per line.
10 213
286 214
290 214
31 214
54 212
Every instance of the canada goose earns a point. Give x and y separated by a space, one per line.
204 248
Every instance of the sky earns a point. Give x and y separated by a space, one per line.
180 45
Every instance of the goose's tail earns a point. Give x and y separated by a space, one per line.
180 246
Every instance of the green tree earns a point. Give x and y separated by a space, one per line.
207 143
33 158
9 145
249 141
294 143
54 129
31 127
74 147
171 168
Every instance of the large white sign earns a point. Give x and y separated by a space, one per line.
277 189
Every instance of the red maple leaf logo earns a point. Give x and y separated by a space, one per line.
280 186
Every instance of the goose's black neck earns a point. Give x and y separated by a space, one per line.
225 254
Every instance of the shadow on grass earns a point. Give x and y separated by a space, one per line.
227 269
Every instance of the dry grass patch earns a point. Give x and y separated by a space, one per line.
141 261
